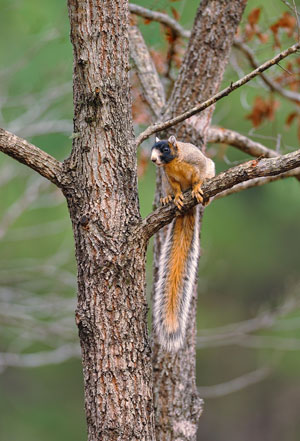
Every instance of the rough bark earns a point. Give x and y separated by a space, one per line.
102 199
177 403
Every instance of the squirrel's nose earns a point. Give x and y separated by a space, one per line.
154 156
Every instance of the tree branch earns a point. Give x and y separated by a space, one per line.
243 143
152 87
294 96
32 156
55 356
198 108
241 173
258 182
219 390
179 31
162 18
246 145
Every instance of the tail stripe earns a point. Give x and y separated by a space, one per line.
171 337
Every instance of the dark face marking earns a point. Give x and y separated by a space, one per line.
162 153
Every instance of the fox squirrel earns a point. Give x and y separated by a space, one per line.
185 167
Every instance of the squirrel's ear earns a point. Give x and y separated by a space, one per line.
157 139
172 140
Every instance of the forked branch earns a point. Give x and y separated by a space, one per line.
233 86
32 156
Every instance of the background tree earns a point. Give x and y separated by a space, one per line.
103 135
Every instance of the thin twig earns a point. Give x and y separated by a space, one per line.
167 124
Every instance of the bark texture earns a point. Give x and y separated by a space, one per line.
102 198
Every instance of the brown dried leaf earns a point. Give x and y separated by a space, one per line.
290 118
261 110
254 15
286 21
170 35
175 13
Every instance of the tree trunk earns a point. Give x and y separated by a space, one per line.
103 203
177 403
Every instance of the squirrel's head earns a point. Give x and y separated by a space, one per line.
164 151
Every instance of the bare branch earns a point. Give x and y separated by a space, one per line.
265 320
245 144
32 156
161 18
181 32
173 121
236 139
258 182
219 390
294 96
241 173
297 18
290 7
270 342
152 87
44 127
56 356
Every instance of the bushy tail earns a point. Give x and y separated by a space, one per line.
176 276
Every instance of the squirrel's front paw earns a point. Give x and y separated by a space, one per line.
178 200
165 200
198 193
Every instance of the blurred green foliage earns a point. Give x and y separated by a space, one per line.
250 242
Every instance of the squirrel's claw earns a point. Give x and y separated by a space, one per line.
198 193
178 201
165 200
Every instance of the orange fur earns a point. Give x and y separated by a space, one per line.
181 172
182 237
